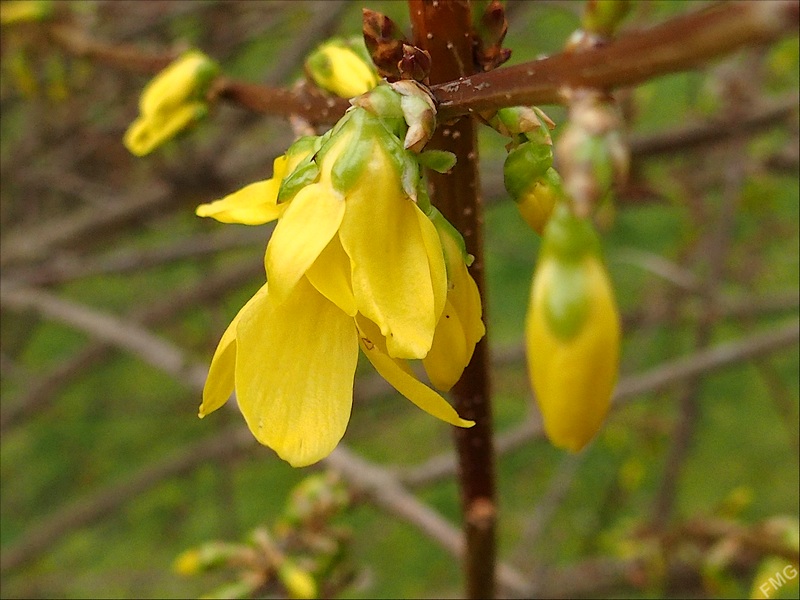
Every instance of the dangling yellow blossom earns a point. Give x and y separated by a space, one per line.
353 261
171 102
572 333
342 68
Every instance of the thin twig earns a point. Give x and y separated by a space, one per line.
45 386
630 387
132 338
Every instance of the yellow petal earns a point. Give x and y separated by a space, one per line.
330 274
436 262
574 378
254 204
463 294
294 373
176 84
390 270
219 383
449 354
148 132
312 219
399 376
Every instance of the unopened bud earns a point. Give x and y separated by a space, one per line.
298 582
342 68
572 333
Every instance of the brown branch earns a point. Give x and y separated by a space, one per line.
679 44
35 243
782 111
442 29
127 57
44 386
719 238
61 269
150 348
386 492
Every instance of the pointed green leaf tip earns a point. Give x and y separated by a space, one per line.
440 161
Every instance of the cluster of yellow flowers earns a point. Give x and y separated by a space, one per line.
360 258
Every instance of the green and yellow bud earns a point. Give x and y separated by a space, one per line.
460 326
342 68
536 203
171 102
572 333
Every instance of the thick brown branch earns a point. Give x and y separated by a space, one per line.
442 29
679 44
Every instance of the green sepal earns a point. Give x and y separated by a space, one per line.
567 302
304 174
308 144
350 164
319 64
524 165
567 237
207 71
440 161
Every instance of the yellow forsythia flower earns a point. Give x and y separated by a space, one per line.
171 102
537 201
342 68
353 262
532 182
572 333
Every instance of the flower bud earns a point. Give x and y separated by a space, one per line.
537 201
171 102
572 333
342 68
299 583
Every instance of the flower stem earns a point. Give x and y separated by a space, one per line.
440 28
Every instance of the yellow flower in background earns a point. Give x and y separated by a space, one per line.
572 333
342 68
171 102
353 262
22 11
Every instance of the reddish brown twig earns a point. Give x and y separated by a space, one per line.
439 28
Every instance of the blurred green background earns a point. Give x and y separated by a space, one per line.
77 428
